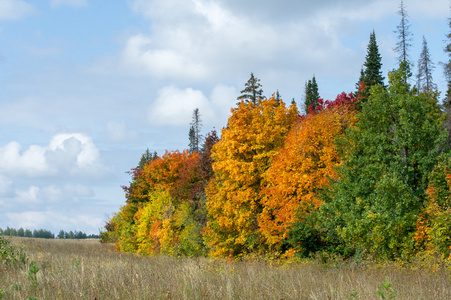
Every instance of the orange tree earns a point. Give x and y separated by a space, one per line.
164 211
433 235
303 167
254 135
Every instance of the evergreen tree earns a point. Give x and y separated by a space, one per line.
311 95
404 40
278 98
447 66
361 79
371 73
146 158
387 158
425 68
195 138
252 91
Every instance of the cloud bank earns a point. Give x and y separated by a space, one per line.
66 155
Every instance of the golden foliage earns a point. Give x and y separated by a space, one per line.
254 135
300 170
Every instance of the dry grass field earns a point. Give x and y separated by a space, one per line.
86 269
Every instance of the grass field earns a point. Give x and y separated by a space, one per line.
86 269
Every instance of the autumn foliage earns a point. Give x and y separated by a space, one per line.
351 178
254 135
165 210
303 167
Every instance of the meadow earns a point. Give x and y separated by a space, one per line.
86 269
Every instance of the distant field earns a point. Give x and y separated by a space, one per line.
86 269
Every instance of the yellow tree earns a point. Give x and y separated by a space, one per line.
302 168
255 133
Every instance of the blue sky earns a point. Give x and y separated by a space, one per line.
87 85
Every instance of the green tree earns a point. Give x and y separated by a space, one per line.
28 233
21 232
425 68
373 207
447 67
61 234
195 138
311 95
146 158
252 91
371 73
278 97
13 232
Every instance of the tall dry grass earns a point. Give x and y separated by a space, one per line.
86 269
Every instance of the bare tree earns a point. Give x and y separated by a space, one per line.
425 68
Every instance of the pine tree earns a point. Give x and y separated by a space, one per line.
146 158
311 95
361 79
405 39
447 66
425 68
252 91
373 65
278 98
371 73
194 132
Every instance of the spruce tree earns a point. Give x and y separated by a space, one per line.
252 91
311 94
146 158
361 78
277 97
371 73
425 68
373 64
447 102
194 133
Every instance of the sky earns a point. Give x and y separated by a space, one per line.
86 86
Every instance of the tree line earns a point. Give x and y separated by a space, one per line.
367 174
45 234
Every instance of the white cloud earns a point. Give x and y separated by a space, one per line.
29 196
161 63
75 146
30 163
174 106
66 155
14 9
210 41
73 3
